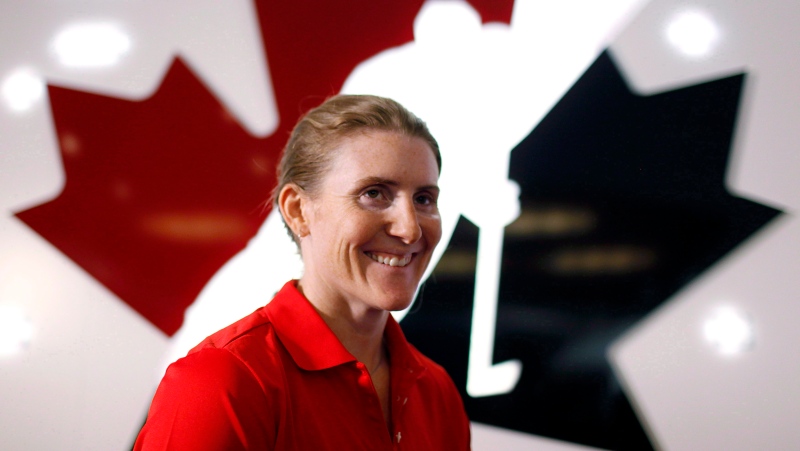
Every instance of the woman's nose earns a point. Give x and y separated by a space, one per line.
404 223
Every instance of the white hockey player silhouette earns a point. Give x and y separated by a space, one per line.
482 89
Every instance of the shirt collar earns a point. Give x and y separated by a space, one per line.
313 345
304 333
399 349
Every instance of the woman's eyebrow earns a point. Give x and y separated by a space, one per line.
376 181
389 182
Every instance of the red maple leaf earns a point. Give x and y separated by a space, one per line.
161 193
313 47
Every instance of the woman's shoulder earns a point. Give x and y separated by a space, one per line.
434 374
444 405
248 345
256 323
214 398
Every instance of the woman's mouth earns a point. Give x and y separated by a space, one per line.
390 260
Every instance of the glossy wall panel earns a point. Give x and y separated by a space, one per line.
618 195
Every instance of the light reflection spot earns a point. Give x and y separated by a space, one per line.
16 331
196 227
729 331
22 90
91 45
70 144
693 33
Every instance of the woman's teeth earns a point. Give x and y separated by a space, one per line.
391 261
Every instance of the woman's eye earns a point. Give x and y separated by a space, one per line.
425 199
374 195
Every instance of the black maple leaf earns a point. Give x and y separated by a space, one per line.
624 202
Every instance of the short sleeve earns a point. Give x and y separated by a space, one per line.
209 400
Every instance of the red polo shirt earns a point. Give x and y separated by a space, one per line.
279 379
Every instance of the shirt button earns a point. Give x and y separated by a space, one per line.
399 436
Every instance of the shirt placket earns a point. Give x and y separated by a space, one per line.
373 404
400 400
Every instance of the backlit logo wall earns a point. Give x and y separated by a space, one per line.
618 190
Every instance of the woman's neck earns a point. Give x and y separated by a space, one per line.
359 328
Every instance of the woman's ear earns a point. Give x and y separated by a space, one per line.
292 202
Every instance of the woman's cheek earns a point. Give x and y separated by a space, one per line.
433 226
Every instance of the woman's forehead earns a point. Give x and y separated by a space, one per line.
385 155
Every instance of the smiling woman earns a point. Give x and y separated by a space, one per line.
324 365
369 234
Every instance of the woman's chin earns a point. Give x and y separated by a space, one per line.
400 306
394 302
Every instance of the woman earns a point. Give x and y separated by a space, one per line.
324 365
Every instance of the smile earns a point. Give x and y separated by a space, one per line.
391 261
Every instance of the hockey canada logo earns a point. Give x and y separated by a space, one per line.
573 206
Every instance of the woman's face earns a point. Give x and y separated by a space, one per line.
374 222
